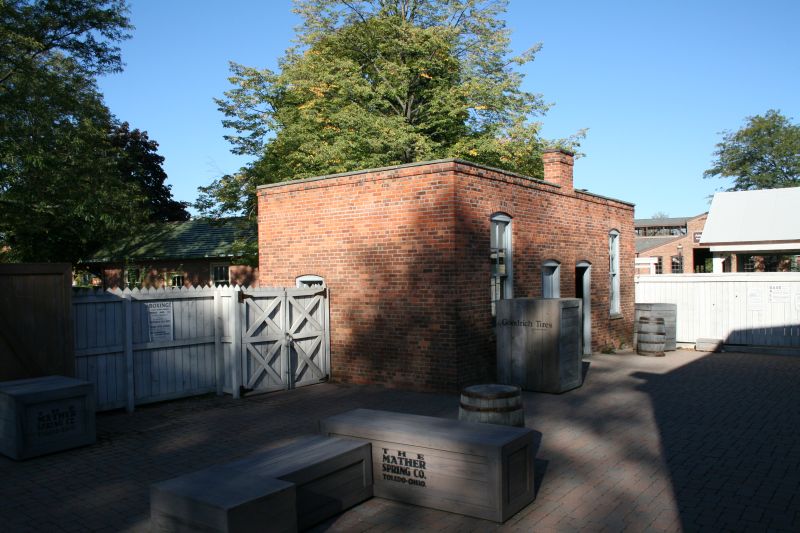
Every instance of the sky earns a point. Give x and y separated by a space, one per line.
655 83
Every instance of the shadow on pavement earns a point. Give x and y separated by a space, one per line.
730 433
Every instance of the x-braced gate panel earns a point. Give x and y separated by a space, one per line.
284 338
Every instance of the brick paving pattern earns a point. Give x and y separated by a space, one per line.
689 442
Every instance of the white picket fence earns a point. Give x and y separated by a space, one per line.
747 309
143 346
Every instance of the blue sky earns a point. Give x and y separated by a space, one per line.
655 83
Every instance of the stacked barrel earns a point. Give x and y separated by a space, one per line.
652 336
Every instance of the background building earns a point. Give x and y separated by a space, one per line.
755 231
177 254
671 246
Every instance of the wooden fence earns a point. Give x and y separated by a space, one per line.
35 320
745 309
143 346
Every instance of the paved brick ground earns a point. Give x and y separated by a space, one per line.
688 442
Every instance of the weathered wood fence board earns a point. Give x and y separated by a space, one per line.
35 321
145 346
753 309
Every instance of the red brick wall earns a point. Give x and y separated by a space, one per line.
404 252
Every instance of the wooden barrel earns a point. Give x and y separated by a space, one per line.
492 404
652 335
669 312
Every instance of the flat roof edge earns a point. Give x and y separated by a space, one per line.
434 162
407 165
581 191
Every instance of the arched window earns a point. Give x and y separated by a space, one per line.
500 253
551 279
309 280
613 272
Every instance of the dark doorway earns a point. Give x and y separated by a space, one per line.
702 260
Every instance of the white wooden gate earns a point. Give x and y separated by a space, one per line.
284 342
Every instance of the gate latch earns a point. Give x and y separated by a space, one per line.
243 296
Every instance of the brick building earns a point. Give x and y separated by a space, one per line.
415 255
672 245
176 254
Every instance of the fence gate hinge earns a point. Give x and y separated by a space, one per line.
243 296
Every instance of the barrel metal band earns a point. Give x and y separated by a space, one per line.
492 395
503 409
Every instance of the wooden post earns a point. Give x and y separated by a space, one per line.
219 354
235 364
127 317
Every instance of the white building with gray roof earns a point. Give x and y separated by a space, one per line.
757 231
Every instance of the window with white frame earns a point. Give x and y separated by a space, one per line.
176 279
220 275
502 279
613 272
551 279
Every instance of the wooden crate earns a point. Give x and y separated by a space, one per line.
45 415
329 476
221 500
539 343
479 470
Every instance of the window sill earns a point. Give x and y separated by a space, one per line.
615 316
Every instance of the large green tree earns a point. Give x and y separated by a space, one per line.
85 31
376 83
139 163
71 177
60 192
763 154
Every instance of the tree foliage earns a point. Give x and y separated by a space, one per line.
71 178
85 31
139 163
60 194
376 83
764 154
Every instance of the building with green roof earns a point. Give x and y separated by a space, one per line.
178 254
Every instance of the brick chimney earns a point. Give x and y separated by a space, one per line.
558 167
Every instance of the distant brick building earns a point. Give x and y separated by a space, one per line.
175 254
415 255
673 244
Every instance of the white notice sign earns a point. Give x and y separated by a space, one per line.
159 317
779 294
754 300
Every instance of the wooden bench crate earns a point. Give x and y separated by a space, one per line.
219 499
480 470
45 415
328 475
